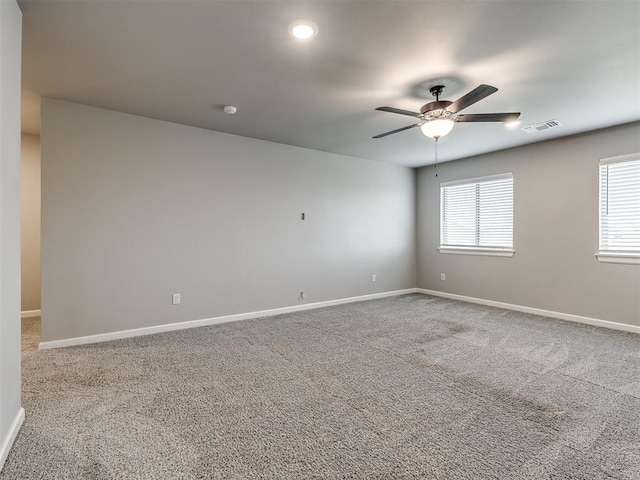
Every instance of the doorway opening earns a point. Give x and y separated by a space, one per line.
30 197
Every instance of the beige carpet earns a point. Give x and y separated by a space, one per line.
30 334
405 387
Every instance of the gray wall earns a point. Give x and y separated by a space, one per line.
134 209
555 231
30 223
10 51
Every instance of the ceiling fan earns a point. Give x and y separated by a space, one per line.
437 118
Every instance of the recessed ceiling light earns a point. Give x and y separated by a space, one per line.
513 124
303 29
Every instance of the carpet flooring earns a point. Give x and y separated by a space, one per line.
413 386
30 334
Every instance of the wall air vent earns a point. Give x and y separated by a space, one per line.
538 127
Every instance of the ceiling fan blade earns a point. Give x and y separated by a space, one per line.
397 130
398 110
472 97
488 117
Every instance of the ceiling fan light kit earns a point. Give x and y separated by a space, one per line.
437 128
438 118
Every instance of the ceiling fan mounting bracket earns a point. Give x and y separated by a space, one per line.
436 91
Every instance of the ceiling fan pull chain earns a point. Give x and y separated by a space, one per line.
436 165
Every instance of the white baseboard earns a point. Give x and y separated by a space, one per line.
537 311
6 444
136 332
105 337
30 313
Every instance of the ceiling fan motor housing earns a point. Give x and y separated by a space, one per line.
434 109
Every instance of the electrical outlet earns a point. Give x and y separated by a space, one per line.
175 299
302 296
443 277
373 277
302 215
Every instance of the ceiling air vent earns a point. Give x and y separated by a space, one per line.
538 127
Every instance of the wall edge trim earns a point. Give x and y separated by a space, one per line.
7 443
596 322
30 313
169 327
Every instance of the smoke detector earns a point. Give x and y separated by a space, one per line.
230 109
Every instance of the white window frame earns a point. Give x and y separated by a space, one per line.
606 255
472 250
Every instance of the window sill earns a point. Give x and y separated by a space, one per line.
492 252
626 258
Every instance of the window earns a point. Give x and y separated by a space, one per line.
620 209
476 216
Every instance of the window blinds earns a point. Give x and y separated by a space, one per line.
477 213
620 204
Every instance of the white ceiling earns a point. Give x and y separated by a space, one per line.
181 61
